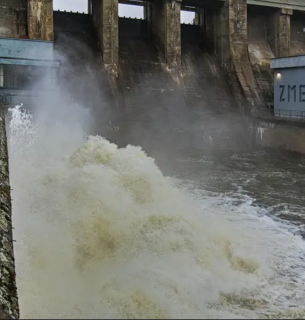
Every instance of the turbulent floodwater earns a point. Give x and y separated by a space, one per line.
102 233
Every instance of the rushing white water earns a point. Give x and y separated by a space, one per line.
101 233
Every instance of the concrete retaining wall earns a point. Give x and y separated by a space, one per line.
280 135
9 308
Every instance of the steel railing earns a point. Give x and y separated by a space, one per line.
293 115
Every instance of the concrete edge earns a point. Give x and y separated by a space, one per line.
9 308
288 62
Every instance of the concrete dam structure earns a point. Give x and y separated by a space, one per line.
196 84
156 93
153 81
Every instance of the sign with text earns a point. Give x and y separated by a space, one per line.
292 93
289 89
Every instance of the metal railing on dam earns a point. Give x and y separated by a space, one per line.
280 114
9 308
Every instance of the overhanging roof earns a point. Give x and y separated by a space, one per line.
298 5
290 4
288 62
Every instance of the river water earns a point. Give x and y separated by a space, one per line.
271 181
102 232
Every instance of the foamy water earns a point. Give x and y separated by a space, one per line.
102 233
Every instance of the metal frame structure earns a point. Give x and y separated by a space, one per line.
280 114
23 63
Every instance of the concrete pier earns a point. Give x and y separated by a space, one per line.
40 19
165 24
105 21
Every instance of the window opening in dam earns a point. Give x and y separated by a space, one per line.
131 11
187 16
71 5
191 20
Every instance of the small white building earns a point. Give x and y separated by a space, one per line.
289 87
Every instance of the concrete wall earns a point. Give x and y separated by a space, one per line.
260 52
191 34
281 135
166 30
147 10
9 308
226 33
268 36
40 19
71 22
297 25
245 38
272 33
33 18
105 21
158 24
13 18
134 28
245 41
278 31
163 19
